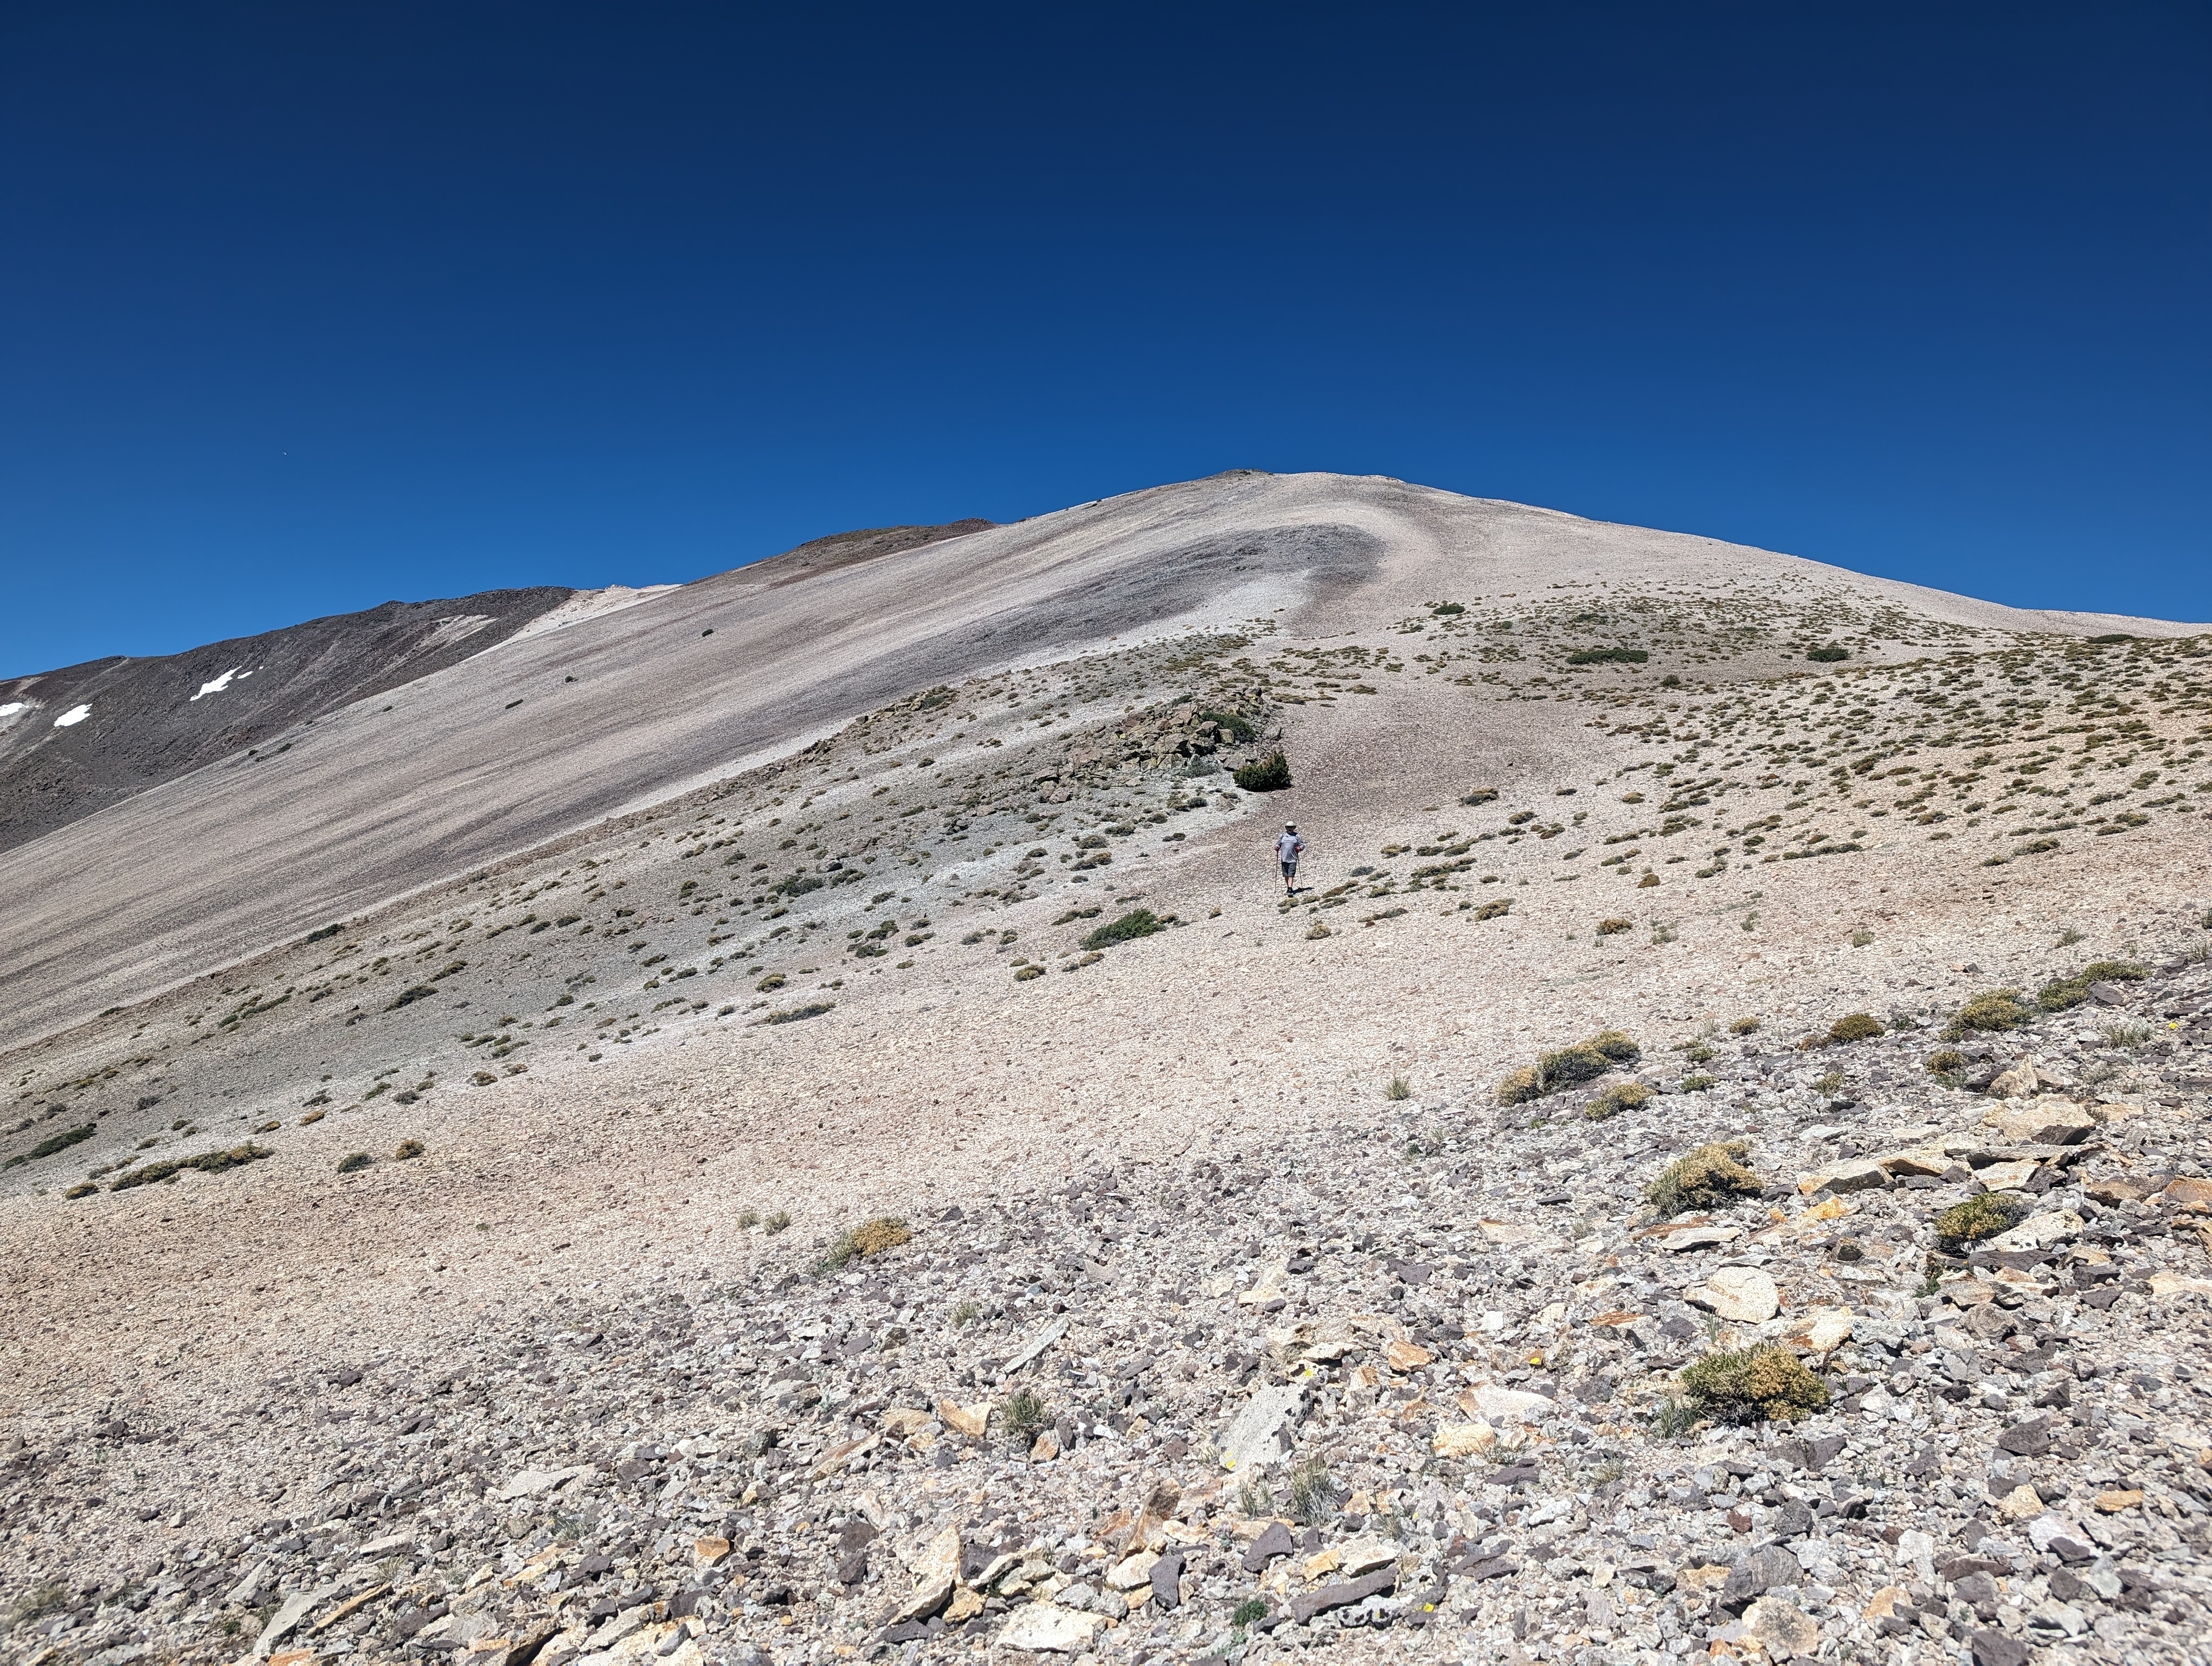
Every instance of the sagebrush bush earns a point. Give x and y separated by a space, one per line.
1622 1095
2000 1009
1138 922
1705 1178
1271 774
1760 1384
1855 1027
871 1237
2063 993
1978 1217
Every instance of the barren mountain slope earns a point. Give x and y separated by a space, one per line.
74 740
849 969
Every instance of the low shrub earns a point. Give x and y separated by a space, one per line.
871 1237
1621 1096
1979 1218
2000 1009
1397 1088
1945 1061
1271 774
813 1009
354 1162
1569 1065
1609 656
1830 654
1023 1417
1744 1027
1706 1178
212 1162
1495 909
1138 922
2063 993
1230 723
1760 1384
1614 928
410 1148
1855 1027
50 1144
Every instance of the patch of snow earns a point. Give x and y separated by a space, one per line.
73 716
590 605
455 628
13 706
219 684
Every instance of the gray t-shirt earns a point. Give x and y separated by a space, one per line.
1288 847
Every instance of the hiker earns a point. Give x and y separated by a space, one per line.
1288 844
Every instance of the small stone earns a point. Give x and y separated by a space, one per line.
2013 1084
1486 1402
1134 1570
1743 1295
1043 1627
2054 1226
2118 1498
1364 1555
1406 1356
1267 1287
1883 1604
2166 1286
1854 1175
1274 1541
2031 1437
1780 1628
1821 1332
1046 1448
969 1420
2054 1535
1682 1239
1167 1580
1258 1436
1464 1439
2022 1504
706 1552
531 1482
2190 1192
966 1605
2047 1122
1994 1648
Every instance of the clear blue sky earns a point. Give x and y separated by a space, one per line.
307 306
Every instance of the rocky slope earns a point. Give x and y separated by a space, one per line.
77 740
482 1263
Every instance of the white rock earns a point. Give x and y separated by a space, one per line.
1258 1437
2041 1232
1497 1406
1042 1626
1743 1295
531 1482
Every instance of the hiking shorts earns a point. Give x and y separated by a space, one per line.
1289 870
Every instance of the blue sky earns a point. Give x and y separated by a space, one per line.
302 308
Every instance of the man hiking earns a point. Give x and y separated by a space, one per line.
1288 844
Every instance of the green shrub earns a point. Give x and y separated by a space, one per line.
1604 656
1622 1095
410 1148
1313 1490
778 1221
1138 922
1397 1088
1744 1027
212 1162
1768 1383
1855 1027
1977 1218
1569 1065
2000 1009
2063 993
50 1144
1023 1417
1945 1061
1494 910
1271 774
1230 723
1706 1178
1830 654
813 1009
82 1189
354 1161
1250 1612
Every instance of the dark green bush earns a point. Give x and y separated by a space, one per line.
1271 774
1855 1027
1756 1385
1607 656
1830 654
2063 993
212 1162
2000 1010
1138 922
1705 1178
50 1144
